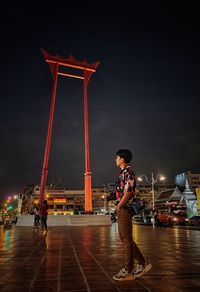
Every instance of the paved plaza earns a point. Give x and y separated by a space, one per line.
85 258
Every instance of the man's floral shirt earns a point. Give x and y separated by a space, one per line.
125 183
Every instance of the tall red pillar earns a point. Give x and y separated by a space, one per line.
54 70
88 179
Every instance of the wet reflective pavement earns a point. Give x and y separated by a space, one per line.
85 258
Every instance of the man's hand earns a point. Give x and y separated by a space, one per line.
118 207
124 199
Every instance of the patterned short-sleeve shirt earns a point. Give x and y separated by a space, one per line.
125 183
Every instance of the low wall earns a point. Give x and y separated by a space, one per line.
67 220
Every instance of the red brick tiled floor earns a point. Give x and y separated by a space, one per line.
85 258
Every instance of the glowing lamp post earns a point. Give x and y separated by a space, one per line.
152 183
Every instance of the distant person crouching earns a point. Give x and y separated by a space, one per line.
36 217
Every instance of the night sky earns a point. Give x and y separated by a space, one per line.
144 95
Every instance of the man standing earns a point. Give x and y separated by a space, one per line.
43 216
125 191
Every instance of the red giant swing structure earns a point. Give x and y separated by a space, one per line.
55 63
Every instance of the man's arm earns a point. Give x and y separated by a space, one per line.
128 191
124 199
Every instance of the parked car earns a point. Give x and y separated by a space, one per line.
7 221
169 219
137 218
179 219
162 218
195 221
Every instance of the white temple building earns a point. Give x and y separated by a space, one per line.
190 200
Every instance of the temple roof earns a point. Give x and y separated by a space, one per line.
170 194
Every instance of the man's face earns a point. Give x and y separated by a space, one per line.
119 160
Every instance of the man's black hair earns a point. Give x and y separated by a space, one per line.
126 154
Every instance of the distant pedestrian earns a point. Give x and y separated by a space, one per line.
36 211
125 192
43 216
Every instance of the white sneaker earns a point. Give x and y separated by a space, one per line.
123 275
142 269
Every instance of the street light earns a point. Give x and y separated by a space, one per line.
152 183
104 197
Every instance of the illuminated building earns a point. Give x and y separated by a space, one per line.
192 178
63 201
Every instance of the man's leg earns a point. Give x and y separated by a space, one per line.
132 251
124 234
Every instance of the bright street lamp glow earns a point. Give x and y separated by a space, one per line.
152 183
